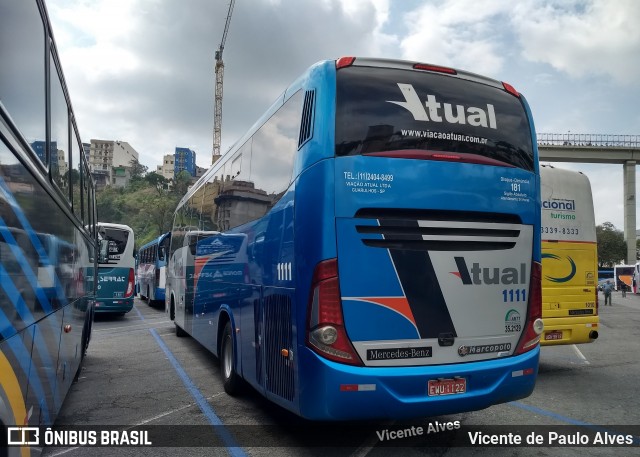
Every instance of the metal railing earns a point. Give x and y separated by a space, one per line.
588 139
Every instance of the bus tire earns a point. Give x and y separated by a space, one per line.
84 343
179 331
230 379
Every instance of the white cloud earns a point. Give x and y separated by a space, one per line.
456 33
581 38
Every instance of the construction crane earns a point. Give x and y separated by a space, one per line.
219 69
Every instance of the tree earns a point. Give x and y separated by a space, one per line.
143 205
156 180
137 169
611 246
182 182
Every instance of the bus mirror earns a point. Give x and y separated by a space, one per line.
257 247
161 253
104 251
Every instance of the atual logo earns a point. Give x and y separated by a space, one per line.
489 275
445 112
562 279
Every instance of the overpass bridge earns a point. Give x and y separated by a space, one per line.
601 148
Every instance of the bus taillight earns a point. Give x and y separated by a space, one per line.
326 334
533 326
344 62
130 284
436 68
512 90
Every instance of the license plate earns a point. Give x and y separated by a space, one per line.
553 335
118 294
447 386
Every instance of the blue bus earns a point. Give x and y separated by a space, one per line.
116 269
604 274
152 268
48 240
382 223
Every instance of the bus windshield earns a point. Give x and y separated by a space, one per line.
385 109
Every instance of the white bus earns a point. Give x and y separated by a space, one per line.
116 271
181 273
569 258
623 274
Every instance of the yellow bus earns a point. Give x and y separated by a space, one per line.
569 258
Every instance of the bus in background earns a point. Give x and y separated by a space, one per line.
390 221
116 270
152 268
623 274
569 258
47 227
604 274
181 271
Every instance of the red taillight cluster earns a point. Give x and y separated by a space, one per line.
533 324
326 334
436 68
130 284
509 88
344 62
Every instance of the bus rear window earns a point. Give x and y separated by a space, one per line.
117 240
382 109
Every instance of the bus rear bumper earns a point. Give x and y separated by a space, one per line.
570 330
117 305
333 391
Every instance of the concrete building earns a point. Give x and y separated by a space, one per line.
120 176
105 155
239 202
200 171
166 170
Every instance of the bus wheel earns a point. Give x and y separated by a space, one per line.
230 379
180 331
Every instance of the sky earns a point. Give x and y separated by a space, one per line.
142 71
